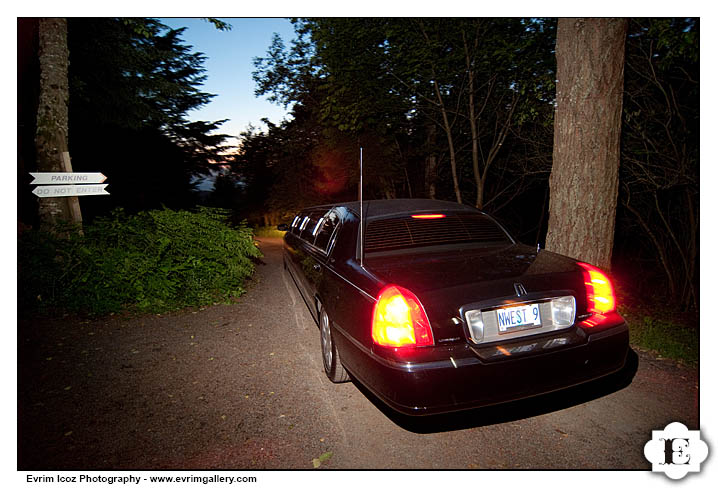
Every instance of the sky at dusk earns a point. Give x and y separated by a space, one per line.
229 67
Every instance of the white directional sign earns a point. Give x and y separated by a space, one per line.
70 190
49 178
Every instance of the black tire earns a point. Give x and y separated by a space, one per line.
330 356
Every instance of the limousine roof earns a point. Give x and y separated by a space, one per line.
384 208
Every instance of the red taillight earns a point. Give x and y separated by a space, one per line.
428 216
599 291
399 319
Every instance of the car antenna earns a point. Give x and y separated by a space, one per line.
361 207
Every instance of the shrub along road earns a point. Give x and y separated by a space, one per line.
242 386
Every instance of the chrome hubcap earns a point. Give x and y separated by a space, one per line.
326 342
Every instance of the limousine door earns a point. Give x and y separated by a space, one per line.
315 256
292 245
300 262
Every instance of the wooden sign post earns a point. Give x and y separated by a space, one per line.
74 202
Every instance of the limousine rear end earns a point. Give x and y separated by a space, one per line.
436 308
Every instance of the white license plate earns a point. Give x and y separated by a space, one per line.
520 317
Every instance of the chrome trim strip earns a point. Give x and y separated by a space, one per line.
366 294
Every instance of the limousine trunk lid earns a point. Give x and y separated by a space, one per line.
448 280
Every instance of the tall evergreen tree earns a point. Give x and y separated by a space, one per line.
132 84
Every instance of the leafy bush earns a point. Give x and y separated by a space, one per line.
153 261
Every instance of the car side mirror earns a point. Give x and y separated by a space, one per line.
283 227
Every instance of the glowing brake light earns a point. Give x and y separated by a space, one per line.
428 216
599 291
399 319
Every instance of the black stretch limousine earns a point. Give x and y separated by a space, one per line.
445 311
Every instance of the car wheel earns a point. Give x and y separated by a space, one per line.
330 356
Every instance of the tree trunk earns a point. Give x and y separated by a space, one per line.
468 56
52 114
447 125
449 140
584 177
431 163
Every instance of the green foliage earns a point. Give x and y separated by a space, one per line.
668 338
219 24
407 91
153 262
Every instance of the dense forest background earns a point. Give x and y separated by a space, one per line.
455 109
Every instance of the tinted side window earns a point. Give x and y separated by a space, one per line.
325 232
309 228
300 224
295 224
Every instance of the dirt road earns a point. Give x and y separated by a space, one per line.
242 386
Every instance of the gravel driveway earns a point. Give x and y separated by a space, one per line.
242 386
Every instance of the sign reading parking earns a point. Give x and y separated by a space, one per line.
49 178
68 184
70 190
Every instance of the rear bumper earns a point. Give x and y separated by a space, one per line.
463 377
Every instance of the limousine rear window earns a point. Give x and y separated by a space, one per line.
408 232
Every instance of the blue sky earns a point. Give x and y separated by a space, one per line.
229 68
